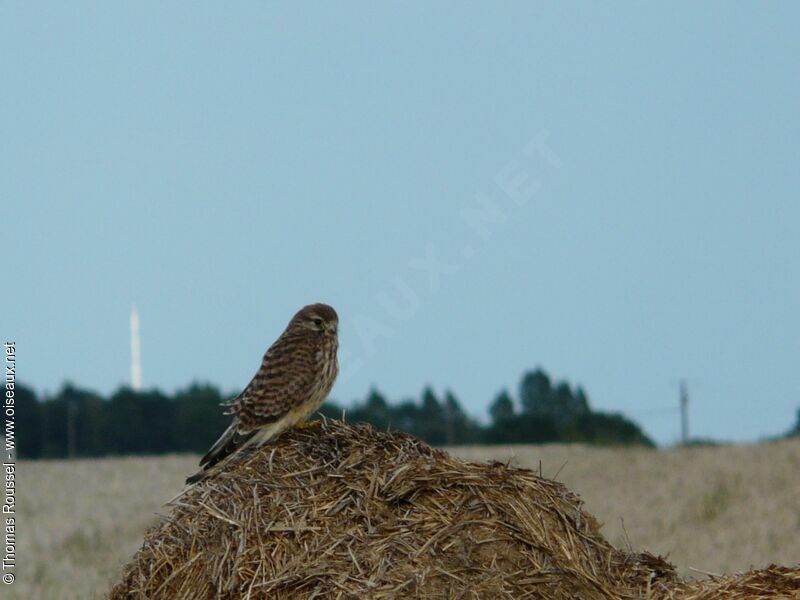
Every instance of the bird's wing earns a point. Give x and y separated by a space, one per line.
230 441
226 446
284 379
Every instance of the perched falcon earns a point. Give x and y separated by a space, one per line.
295 376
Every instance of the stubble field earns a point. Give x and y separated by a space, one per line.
713 509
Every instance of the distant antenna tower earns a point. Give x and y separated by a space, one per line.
136 352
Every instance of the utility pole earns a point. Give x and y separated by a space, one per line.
684 412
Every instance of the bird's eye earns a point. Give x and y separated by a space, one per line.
318 322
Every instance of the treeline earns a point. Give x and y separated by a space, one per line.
78 422
795 430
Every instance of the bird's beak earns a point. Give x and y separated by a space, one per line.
333 329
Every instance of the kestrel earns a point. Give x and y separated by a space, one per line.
295 376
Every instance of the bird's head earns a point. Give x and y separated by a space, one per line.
319 318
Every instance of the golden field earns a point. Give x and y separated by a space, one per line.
711 509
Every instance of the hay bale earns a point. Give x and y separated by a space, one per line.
342 510
772 582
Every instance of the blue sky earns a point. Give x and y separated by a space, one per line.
609 192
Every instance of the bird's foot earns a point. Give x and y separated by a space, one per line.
308 424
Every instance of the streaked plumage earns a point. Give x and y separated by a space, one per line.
295 376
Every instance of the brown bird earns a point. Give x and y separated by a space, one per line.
295 376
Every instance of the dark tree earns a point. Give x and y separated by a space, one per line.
406 417
199 418
28 432
459 428
75 419
502 408
331 410
374 410
610 429
581 401
89 423
432 427
139 423
377 408
54 428
505 426
795 431
522 429
535 393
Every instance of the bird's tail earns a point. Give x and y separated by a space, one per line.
223 449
